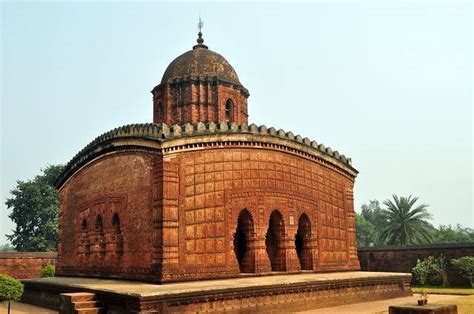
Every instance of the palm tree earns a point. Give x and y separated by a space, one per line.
406 224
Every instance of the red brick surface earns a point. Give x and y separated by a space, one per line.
25 265
117 184
179 215
198 101
283 293
200 194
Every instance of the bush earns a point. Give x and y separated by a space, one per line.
10 289
431 269
421 271
48 271
438 267
465 266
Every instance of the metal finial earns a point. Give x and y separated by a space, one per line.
200 40
200 25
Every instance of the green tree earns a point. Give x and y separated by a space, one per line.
406 224
449 234
365 231
6 248
10 289
439 269
376 219
373 212
35 207
465 265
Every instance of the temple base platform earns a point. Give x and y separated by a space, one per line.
277 293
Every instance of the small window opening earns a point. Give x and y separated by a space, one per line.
229 111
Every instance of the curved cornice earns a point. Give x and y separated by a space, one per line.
167 139
213 80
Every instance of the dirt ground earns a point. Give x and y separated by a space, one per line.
465 306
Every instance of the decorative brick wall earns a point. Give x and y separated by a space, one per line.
216 185
106 218
25 265
403 258
205 201
199 100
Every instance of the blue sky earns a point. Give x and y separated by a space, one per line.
388 84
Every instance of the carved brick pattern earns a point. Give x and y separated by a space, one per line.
192 101
116 184
163 132
260 181
180 207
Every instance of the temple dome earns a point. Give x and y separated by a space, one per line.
200 61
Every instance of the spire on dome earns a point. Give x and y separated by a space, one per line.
200 40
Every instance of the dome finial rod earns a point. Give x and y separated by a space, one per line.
200 40
200 25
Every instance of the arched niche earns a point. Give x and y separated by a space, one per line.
274 241
303 241
243 237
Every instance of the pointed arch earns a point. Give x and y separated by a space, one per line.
99 226
274 241
116 223
117 235
84 225
160 111
229 110
242 238
303 242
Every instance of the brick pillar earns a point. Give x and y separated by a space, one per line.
102 245
250 256
87 246
80 245
353 259
291 258
110 249
60 234
314 250
80 249
262 262
157 205
169 221
119 245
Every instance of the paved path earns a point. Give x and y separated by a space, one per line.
378 306
22 308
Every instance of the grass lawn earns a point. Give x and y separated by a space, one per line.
465 304
439 290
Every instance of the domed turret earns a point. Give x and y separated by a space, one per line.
200 86
201 62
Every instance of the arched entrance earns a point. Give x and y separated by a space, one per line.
302 243
274 241
242 238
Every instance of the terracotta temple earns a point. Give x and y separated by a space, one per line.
201 194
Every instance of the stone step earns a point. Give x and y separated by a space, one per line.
80 296
95 310
87 304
